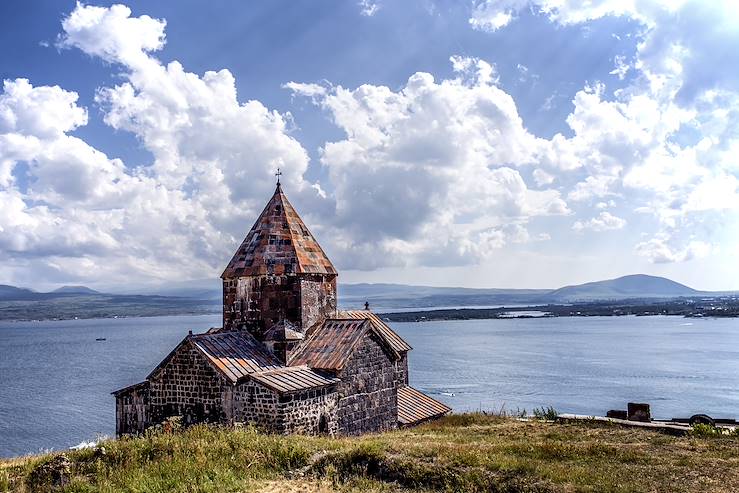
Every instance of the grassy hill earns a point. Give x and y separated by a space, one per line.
472 453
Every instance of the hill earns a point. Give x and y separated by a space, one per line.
75 290
392 296
204 296
633 286
465 453
14 293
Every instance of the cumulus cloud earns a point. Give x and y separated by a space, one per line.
434 172
112 34
659 251
44 112
433 165
213 166
605 221
630 144
542 178
491 15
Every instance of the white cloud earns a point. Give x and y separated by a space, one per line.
214 160
605 221
621 67
368 8
629 145
112 34
312 91
45 112
542 178
491 15
592 186
431 173
658 250
433 165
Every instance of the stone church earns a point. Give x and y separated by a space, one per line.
286 359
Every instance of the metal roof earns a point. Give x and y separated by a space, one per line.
233 354
278 243
331 345
391 337
293 379
414 407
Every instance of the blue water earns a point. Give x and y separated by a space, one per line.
55 379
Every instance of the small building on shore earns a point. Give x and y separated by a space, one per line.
286 359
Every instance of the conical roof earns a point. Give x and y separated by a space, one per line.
278 243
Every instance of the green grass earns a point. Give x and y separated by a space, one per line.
471 452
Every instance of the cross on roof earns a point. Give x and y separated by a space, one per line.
278 174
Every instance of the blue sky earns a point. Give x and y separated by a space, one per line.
494 143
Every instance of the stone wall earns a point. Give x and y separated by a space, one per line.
368 390
317 299
256 404
310 412
401 369
258 302
132 409
188 386
298 412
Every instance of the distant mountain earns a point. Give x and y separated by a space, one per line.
14 293
75 290
391 296
396 296
634 286
204 296
202 289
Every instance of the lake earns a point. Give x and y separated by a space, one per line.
56 379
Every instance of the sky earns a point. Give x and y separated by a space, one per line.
484 143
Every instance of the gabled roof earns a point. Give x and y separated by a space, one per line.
293 379
235 355
331 344
415 407
391 337
278 243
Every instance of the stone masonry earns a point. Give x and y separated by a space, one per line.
286 360
187 386
368 390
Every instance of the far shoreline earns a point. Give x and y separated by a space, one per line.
727 307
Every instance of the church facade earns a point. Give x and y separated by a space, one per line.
286 359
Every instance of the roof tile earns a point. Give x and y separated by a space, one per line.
278 243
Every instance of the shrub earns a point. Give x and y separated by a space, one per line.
705 430
546 414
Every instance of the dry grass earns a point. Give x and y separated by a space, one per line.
459 453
